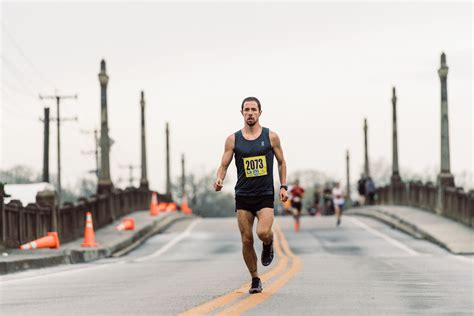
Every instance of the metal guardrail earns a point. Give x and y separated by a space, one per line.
454 203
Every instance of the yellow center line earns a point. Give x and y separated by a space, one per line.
255 299
231 296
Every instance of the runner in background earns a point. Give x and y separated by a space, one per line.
338 200
296 194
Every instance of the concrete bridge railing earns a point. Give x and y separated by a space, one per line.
452 202
20 224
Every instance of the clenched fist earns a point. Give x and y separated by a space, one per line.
218 184
283 195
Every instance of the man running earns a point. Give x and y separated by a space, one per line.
296 194
254 147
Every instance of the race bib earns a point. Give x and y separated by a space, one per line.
255 166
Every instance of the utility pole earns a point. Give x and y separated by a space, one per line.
143 180
168 177
94 152
366 151
58 99
46 146
183 177
348 185
130 168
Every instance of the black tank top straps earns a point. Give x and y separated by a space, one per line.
254 162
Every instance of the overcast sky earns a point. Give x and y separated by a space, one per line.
318 69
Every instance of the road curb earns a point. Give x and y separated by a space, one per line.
400 224
158 227
32 263
72 256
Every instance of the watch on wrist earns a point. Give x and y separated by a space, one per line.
284 187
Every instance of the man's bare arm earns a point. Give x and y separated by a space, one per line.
278 150
225 162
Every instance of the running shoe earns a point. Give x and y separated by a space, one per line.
267 253
256 286
338 222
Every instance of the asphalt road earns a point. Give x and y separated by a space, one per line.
360 268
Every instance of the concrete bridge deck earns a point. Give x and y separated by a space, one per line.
363 267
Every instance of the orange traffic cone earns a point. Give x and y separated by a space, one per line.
126 224
89 237
162 207
154 205
185 207
171 207
49 241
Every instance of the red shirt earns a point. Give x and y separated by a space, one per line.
297 192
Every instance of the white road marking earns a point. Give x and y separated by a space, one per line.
171 243
69 269
92 266
463 259
390 240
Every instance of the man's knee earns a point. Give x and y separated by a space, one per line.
264 234
247 240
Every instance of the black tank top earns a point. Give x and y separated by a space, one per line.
254 162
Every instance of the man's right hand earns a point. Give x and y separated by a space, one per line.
218 185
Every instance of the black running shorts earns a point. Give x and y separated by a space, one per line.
297 205
253 204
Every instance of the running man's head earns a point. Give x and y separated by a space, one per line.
251 110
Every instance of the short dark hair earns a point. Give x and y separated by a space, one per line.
249 99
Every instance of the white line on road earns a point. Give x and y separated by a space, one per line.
171 243
463 259
59 270
71 269
390 240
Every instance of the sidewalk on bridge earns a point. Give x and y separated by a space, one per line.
110 243
455 237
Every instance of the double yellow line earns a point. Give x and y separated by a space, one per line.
248 301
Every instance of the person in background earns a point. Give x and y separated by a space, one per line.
316 199
370 191
361 189
327 200
338 201
296 197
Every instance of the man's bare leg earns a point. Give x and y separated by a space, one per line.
245 220
264 232
338 213
264 225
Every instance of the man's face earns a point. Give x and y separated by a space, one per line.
251 113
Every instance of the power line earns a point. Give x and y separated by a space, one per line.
18 74
18 91
18 47
14 106
14 112
14 100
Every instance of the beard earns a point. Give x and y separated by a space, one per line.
251 122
